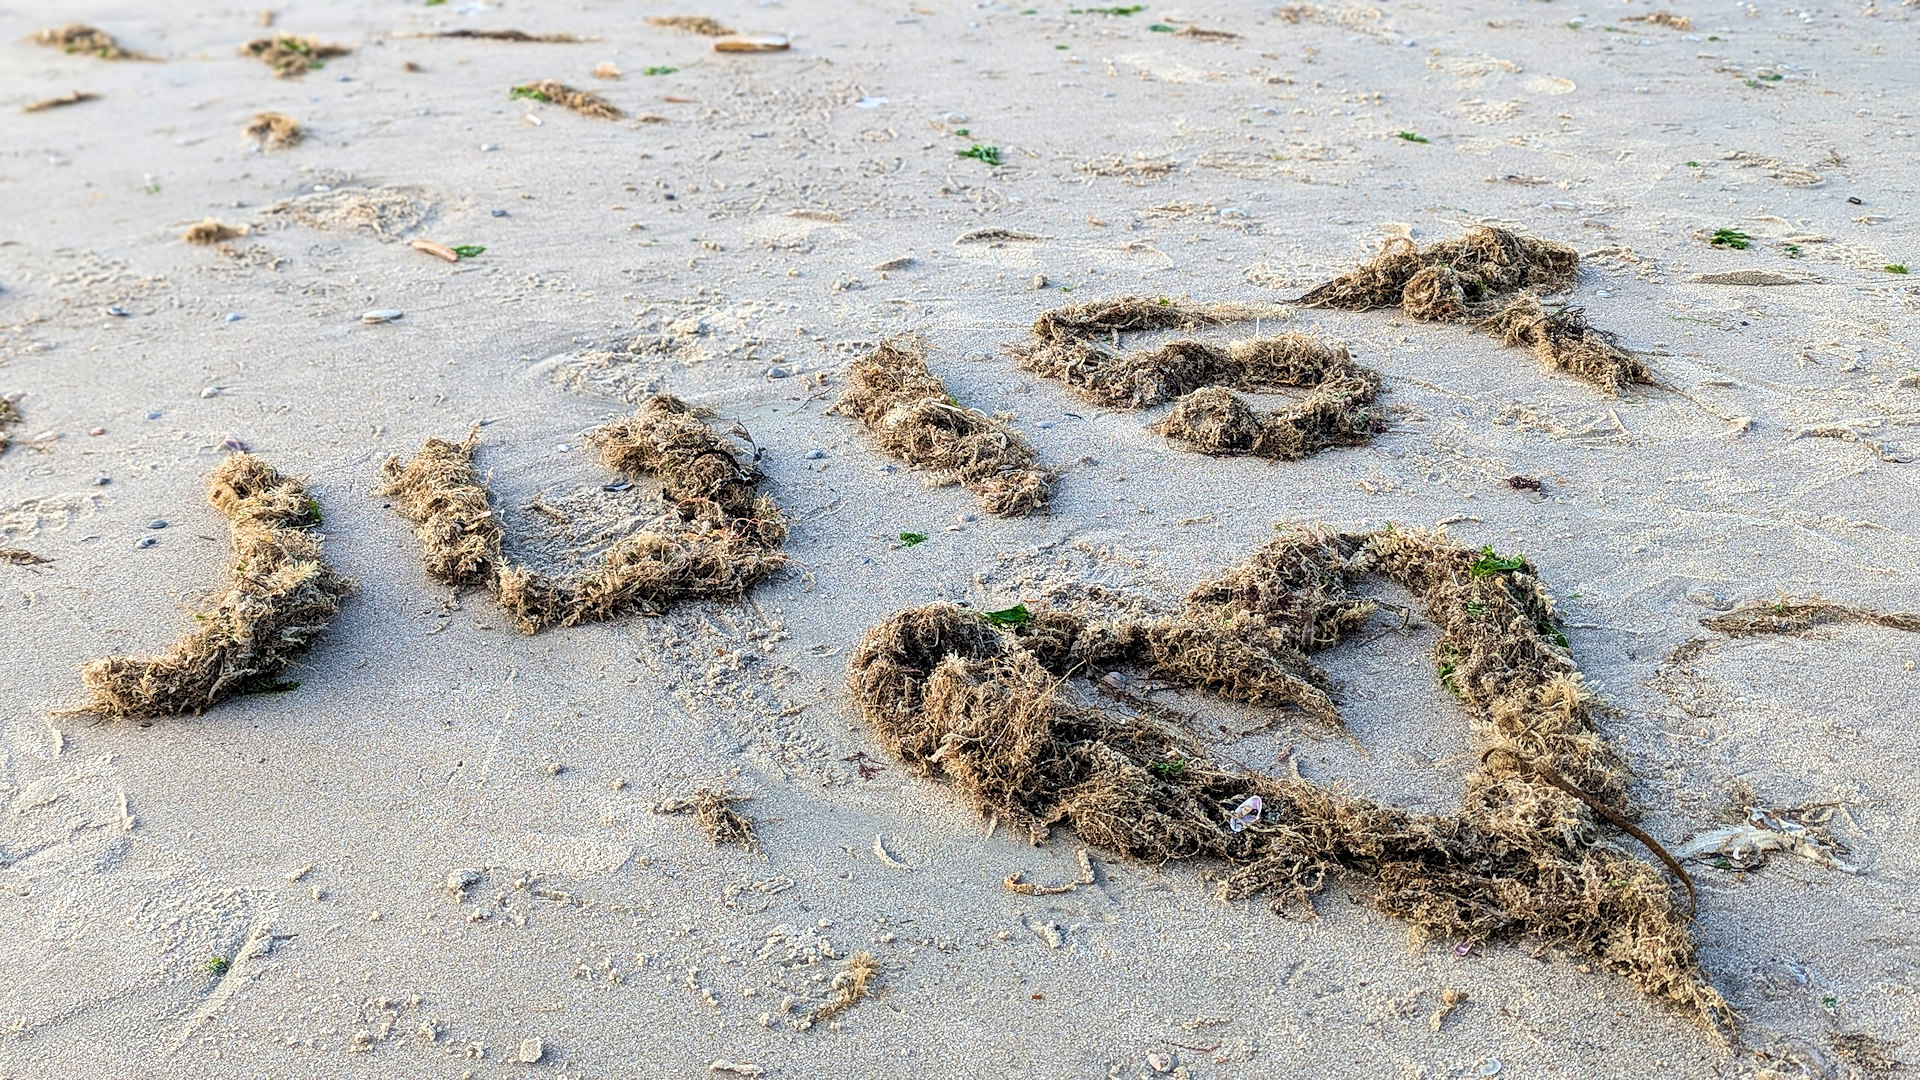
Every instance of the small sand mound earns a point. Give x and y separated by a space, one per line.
386 213
1788 615
907 408
1202 376
210 231
80 38
291 56
275 131
583 102
696 24
718 539
283 596
1492 279
713 814
958 698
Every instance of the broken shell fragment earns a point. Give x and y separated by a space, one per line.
380 315
432 248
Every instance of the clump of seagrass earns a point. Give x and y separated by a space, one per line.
283 595
1564 342
1202 376
1788 615
718 537
695 24
907 408
713 814
583 102
957 697
850 984
10 418
275 131
291 56
1490 278
80 38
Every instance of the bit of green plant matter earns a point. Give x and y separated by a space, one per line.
1130 9
1411 136
1792 250
1896 268
519 92
1731 238
218 965
911 538
988 154
1017 615
1161 28
1489 564
660 70
467 251
1169 769
1693 164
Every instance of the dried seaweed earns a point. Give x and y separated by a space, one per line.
717 539
1788 615
1201 376
22 557
291 56
956 697
558 93
275 131
10 418
80 38
1490 278
510 35
850 984
210 231
1564 342
714 814
696 24
63 100
283 595
907 408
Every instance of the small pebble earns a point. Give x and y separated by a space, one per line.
487 147
380 315
118 311
97 431
886 468
1044 424
233 444
154 415
816 455
531 1051
564 448
498 213
211 391
1039 281
778 373
146 541
234 316
954 118
103 481
157 523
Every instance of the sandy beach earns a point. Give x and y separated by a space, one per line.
435 845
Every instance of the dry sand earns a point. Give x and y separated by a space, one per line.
436 856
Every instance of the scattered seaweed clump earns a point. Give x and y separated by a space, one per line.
1564 342
718 537
61 101
275 131
81 38
1789 615
1201 377
693 24
283 595
907 408
850 984
1491 279
10 418
291 56
509 35
584 102
713 814
979 705
210 231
